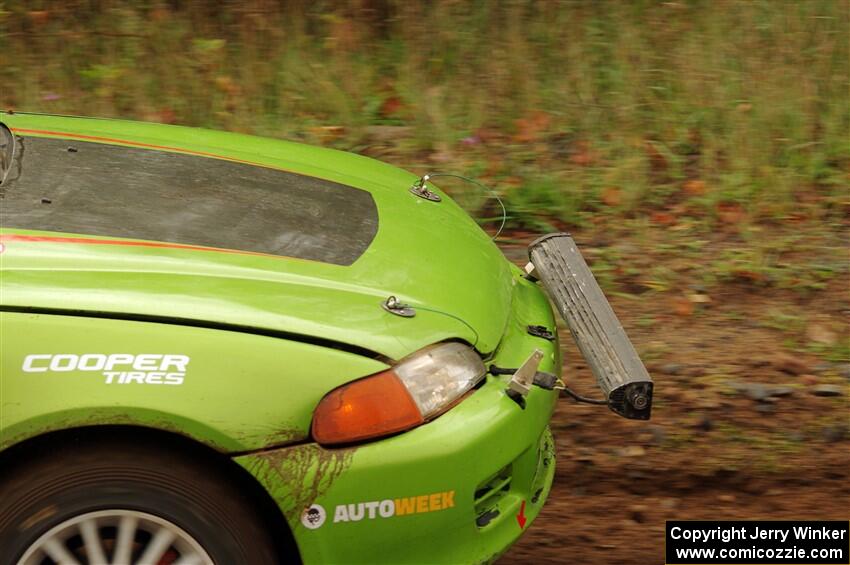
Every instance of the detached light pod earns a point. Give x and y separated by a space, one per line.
599 335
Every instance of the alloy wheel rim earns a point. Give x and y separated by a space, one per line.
116 537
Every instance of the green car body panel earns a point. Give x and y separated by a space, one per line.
256 340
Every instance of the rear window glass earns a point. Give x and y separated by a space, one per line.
106 190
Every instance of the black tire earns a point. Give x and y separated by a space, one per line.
186 491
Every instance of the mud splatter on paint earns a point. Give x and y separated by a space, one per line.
298 475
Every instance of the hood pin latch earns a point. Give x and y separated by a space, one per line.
420 189
394 306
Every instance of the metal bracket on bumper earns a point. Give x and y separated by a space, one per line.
556 261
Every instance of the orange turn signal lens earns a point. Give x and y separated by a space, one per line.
368 408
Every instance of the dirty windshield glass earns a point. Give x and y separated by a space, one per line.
106 190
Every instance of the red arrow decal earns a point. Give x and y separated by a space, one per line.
521 516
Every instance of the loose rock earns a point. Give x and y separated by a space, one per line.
705 424
790 364
672 369
780 391
637 513
820 333
757 392
762 392
658 434
757 363
828 390
585 456
833 434
669 503
709 404
808 380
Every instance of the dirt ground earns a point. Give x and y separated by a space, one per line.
750 421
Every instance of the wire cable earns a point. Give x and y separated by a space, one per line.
579 398
558 385
478 184
459 319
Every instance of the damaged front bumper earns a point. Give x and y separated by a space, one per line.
459 489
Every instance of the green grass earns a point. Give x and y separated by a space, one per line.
571 110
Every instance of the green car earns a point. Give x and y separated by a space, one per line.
218 348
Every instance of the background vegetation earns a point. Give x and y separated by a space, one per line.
699 151
691 145
719 111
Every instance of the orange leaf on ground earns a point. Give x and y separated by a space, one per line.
657 161
530 127
38 17
167 116
227 84
683 307
749 276
730 212
495 165
390 107
524 131
541 120
327 134
513 181
581 155
796 217
159 14
662 218
694 187
612 196
488 135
